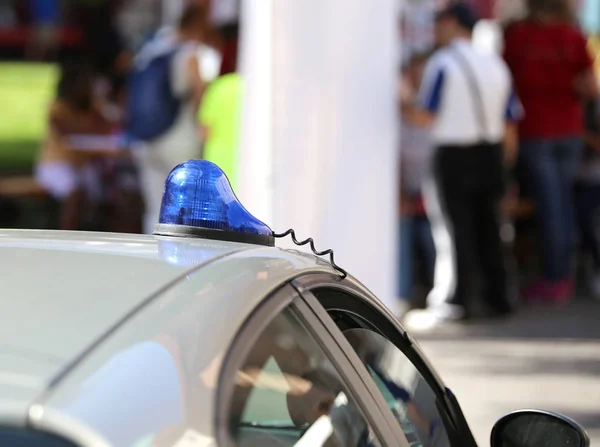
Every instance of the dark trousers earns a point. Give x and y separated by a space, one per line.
588 212
464 205
415 237
551 168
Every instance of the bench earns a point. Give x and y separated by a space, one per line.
21 187
25 204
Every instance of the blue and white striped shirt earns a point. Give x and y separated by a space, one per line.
446 92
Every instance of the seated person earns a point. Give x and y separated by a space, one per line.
64 171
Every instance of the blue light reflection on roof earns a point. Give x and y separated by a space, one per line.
176 252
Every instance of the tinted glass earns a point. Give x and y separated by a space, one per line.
407 393
537 430
287 393
27 438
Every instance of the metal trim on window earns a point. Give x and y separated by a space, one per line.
353 374
364 295
408 347
246 338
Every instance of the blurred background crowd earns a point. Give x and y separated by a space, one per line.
548 219
66 72
77 152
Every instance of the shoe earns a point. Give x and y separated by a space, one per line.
499 314
538 291
554 292
562 292
422 320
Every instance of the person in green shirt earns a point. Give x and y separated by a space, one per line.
219 116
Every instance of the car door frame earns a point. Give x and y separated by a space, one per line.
359 300
369 402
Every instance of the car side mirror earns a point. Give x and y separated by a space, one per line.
536 428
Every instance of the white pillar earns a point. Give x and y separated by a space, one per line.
255 178
320 100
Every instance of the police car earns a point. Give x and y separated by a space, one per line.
205 334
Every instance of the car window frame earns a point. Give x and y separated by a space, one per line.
358 301
283 298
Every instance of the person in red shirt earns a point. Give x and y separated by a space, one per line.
553 73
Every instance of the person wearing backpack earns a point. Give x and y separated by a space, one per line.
164 92
468 100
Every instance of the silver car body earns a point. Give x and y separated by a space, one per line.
84 313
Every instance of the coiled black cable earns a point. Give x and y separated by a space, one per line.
343 273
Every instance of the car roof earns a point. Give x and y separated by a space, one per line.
62 288
64 291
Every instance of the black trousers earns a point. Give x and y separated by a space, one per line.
468 185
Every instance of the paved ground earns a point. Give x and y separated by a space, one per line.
543 358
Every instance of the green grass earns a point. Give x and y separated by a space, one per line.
26 90
18 157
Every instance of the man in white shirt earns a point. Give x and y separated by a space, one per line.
467 99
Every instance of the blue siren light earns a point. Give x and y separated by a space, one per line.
198 202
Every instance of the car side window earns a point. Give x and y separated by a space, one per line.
408 395
288 393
